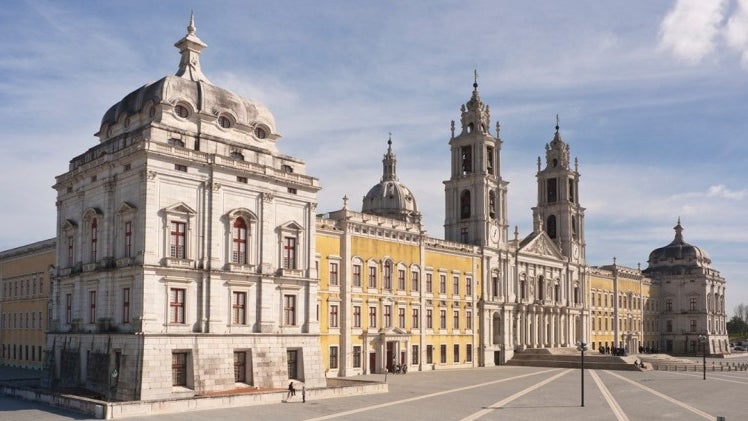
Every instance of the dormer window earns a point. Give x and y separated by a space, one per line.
237 155
176 142
261 133
224 122
286 168
181 111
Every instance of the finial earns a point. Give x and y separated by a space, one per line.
557 123
639 266
475 78
453 128
614 260
191 26
345 201
576 164
538 164
678 220
498 128
516 232
389 141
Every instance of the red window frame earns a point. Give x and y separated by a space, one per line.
239 242
239 307
176 305
177 249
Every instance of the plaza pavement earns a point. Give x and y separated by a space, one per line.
506 393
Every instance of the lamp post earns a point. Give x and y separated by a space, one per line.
581 346
703 342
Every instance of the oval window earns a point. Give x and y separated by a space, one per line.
260 133
181 111
224 122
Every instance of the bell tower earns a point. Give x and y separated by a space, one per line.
558 211
475 194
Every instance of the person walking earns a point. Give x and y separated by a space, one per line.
303 393
291 391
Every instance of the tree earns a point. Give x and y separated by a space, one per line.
741 312
737 326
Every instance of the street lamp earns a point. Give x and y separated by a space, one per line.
581 346
703 342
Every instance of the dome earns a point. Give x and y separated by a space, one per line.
678 253
390 197
192 89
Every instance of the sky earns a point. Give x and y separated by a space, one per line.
652 98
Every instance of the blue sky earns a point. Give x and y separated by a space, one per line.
652 98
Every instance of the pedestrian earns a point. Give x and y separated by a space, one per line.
291 391
303 393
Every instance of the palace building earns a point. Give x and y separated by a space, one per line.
190 258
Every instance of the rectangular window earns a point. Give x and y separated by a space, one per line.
429 354
469 287
176 305
414 281
692 303
456 319
241 179
552 190
414 355
429 319
693 325
468 319
128 239
442 319
239 242
356 356
91 306
387 316
333 357
126 305
240 367
464 236
456 285
334 316
179 369
669 326
372 317
429 283
442 284
177 243
333 273
443 354
416 319
289 310
180 167
94 238
356 316
388 276
289 253
456 353
68 308
401 318
70 251
372 277
357 276
401 280
469 353
239 308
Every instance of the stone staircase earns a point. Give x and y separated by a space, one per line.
570 358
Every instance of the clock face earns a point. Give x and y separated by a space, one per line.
575 251
494 234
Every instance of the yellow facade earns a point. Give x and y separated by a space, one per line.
25 288
389 296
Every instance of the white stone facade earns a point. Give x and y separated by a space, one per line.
185 231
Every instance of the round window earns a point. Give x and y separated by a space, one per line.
260 133
181 111
224 122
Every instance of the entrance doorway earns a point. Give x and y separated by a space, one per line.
497 358
372 362
293 365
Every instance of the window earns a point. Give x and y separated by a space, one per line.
414 355
464 236
571 192
181 111
416 319
356 356
388 275
551 226
466 157
126 305
177 244
94 238
456 319
334 315
240 179
387 316
401 318
68 308
401 279
443 354
128 239
239 308
239 242
372 317
492 204
429 283
357 276
552 189
224 122
289 253
414 281
442 319
333 357
465 204
693 325
456 285
469 353
456 353
442 284
180 167
469 287
289 310
71 255
692 303
468 319
260 133
240 367
669 326
176 305
91 306
489 159
429 319
333 273
429 354
356 316
372 277
669 304
179 369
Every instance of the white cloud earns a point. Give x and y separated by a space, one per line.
736 31
691 28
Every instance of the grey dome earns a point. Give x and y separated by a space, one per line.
678 254
390 197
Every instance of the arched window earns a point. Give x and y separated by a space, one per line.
574 227
492 204
94 238
239 242
465 204
522 289
551 226
541 288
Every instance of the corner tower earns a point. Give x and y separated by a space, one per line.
558 211
475 194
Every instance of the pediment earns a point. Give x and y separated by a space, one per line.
540 244
292 226
181 208
127 207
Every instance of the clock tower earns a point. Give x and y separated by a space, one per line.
475 193
558 211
